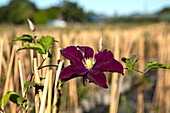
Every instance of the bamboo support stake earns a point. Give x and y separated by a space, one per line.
39 62
37 77
31 56
21 77
167 78
58 55
37 102
1 55
140 97
55 87
114 79
42 107
158 93
128 46
4 64
13 106
6 88
9 72
38 92
16 77
8 49
49 92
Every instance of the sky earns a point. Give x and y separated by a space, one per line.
108 7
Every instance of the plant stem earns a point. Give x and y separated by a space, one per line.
42 63
140 71
47 66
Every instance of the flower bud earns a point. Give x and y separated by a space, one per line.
100 45
32 27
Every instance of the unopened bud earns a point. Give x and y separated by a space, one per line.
29 78
100 45
32 27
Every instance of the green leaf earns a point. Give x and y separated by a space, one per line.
23 38
34 46
155 64
14 97
27 84
130 63
46 42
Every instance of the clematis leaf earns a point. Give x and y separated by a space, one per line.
27 84
23 38
14 97
34 46
155 64
46 42
130 63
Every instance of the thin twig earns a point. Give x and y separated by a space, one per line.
139 70
47 66
42 62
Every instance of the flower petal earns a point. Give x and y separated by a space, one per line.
87 51
75 56
105 62
97 77
72 70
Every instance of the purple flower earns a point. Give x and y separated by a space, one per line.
84 64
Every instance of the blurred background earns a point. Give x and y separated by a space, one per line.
84 11
128 27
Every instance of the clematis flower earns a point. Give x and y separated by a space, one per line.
84 63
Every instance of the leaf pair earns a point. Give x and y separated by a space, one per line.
130 63
14 97
42 46
27 84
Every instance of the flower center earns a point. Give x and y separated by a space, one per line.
89 63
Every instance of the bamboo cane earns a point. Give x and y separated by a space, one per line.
38 92
9 72
1 55
167 79
21 77
55 87
49 92
158 93
16 77
114 79
140 97
4 64
42 107
11 88
128 47
37 77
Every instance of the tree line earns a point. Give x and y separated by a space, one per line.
17 11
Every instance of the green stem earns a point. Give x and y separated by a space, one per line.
140 71
47 66
42 63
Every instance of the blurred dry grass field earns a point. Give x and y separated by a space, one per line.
148 42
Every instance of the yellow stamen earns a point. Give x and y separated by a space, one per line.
89 63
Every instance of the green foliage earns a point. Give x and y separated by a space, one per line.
46 42
33 46
72 12
42 16
155 64
14 97
23 38
42 46
27 84
130 63
18 10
